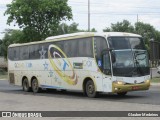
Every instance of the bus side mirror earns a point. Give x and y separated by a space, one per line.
109 49
106 65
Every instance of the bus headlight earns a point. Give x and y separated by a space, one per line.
119 82
147 81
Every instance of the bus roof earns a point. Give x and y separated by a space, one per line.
78 35
106 34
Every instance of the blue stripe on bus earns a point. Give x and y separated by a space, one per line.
49 86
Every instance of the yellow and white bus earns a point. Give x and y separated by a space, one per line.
111 62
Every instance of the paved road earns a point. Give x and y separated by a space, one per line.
151 96
13 98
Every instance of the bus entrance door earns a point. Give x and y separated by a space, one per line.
106 67
107 83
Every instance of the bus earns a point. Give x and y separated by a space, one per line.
109 62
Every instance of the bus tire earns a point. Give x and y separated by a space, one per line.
35 86
25 85
90 89
121 93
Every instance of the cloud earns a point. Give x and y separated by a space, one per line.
104 12
3 22
4 2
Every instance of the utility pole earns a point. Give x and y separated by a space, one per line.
88 15
137 18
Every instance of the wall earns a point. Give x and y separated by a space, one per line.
3 62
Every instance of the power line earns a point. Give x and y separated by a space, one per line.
109 5
117 13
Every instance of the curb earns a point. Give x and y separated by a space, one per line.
3 79
155 84
154 69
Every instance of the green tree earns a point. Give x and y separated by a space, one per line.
38 18
124 26
72 28
93 30
147 31
63 28
11 36
1 52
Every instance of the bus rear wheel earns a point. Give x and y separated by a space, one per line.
25 85
122 93
35 86
90 89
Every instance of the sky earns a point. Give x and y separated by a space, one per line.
103 13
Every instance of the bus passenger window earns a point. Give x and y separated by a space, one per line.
16 55
24 53
85 47
100 44
34 52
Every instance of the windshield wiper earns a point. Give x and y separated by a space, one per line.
139 68
133 72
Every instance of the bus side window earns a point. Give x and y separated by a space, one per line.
85 47
16 55
24 53
10 54
100 44
70 48
34 52
43 51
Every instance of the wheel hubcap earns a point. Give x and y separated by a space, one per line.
90 89
35 85
25 85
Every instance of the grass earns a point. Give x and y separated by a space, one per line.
3 75
155 80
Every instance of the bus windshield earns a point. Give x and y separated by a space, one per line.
131 57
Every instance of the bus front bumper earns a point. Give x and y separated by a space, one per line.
118 88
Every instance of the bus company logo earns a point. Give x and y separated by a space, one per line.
42 53
19 65
61 65
135 81
87 63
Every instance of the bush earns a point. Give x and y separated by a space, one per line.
3 71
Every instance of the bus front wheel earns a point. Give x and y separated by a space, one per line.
25 85
35 86
90 89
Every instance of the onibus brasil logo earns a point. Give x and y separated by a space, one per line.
72 80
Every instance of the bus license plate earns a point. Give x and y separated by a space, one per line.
135 87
